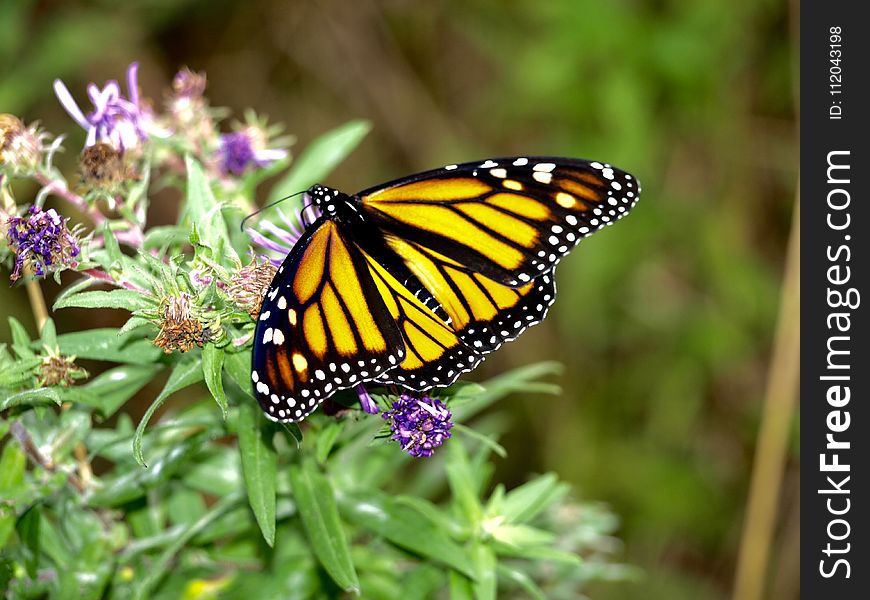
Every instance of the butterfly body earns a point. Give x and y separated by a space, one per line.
413 282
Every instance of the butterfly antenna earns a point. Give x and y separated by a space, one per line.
270 205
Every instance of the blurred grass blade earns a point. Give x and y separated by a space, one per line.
320 158
460 587
522 580
259 467
485 584
523 503
184 374
212 366
462 483
319 513
405 527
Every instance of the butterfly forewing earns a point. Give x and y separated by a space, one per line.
508 219
323 327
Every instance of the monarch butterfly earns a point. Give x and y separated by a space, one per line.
413 282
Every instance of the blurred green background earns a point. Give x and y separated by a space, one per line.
664 322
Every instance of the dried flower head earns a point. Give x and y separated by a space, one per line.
122 122
189 113
246 149
20 146
419 424
41 242
179 329
249 285
189 84
56 369
102 166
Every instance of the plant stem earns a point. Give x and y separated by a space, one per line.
77 201
37 303
776 419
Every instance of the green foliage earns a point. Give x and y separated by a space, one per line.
202 501
663 322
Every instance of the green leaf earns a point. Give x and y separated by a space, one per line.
485 584
111 389
259 467
20 339
165 235
523 503
205 212
184 374
482 438
319 513
462 483
522 580
160 567
110 244
119 298
320 158
238 366
12 465
326 440
49 334
28 533
212 367
19 372
126 485
460 587
37 397
106 344
405 526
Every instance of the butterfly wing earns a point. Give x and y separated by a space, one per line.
435 355
323 326
508 219
482 312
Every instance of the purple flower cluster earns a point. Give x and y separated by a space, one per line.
238 151
117 120
42 240
419 424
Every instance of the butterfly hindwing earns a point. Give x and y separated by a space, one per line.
508 219
483 312
323 327
435 356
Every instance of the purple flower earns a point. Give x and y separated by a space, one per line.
365 400
241 150
285 237
42 241
419 424
117 120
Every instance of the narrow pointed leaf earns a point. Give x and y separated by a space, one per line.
259 467
184 374
320 158
315 499
406 527
212 367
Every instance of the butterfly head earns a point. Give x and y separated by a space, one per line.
330 201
